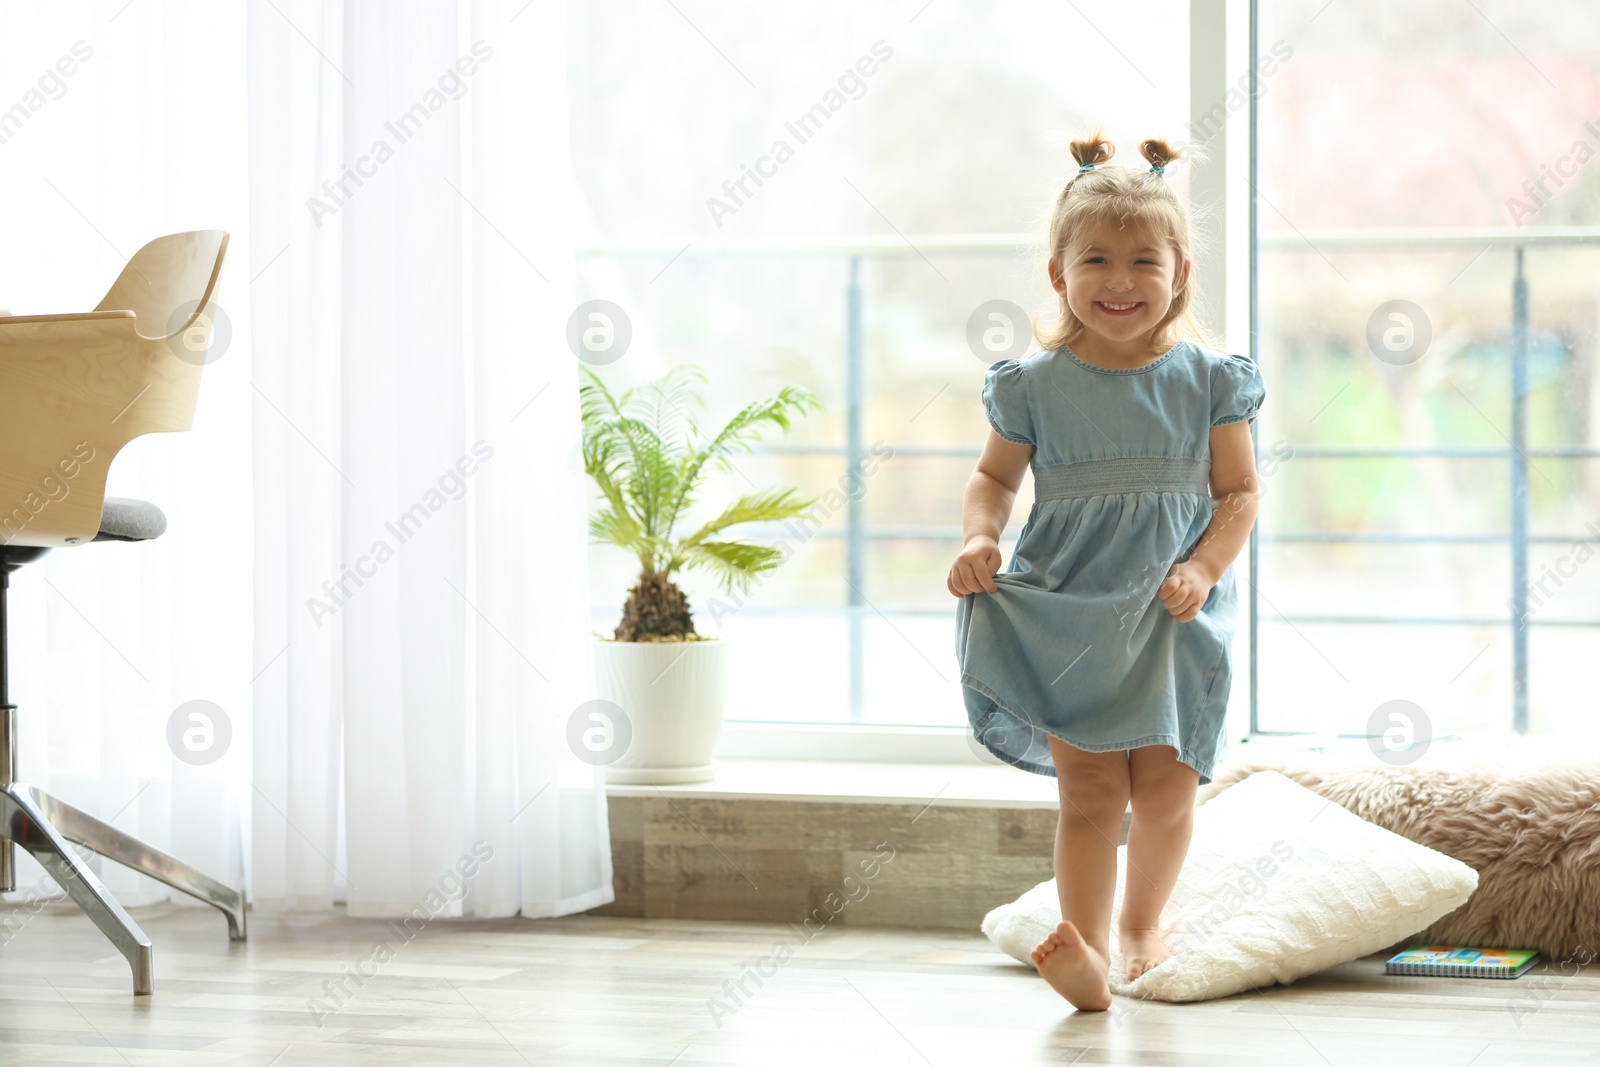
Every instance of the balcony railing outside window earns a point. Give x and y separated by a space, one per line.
854 533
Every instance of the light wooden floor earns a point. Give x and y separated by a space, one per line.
614 991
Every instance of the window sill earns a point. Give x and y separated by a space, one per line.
846 742
946 746
972 785
935 766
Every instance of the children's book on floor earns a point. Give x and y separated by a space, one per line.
1445 961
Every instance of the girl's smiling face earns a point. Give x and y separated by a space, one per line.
1119 283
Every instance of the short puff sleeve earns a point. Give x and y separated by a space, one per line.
1005 401
1237 390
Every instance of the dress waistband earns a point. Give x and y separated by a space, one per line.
1126 474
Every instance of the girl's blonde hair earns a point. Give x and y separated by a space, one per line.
1123 196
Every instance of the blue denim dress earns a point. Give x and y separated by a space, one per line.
1075 643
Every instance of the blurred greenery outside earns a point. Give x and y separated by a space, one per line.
964 131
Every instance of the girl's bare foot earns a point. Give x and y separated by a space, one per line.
1142 948
1073 968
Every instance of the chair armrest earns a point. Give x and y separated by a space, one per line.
79 385
89 367
84 316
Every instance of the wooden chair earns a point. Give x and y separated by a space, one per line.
73 390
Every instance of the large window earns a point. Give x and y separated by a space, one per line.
1426 243
1428 313
852 269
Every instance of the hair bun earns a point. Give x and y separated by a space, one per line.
1158 153
1094 149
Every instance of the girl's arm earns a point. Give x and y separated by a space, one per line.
985 507
1235 492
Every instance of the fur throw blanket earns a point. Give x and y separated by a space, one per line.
1530 829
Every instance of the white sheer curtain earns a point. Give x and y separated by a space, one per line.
123 124
420 593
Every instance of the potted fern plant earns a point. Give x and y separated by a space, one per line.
646 454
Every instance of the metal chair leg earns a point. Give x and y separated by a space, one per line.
8 771
129 851
24 823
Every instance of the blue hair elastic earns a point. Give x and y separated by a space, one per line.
1085 166
1158 169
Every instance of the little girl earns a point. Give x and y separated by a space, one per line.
1101 654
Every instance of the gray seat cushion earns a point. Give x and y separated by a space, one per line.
125 519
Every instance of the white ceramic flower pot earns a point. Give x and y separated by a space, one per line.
672 694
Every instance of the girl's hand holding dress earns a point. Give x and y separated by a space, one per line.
1185 589
975 568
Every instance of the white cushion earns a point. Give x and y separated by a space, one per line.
1278 883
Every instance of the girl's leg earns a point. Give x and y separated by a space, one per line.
1163 793
1094 789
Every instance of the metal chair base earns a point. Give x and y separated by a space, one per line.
46 827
